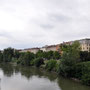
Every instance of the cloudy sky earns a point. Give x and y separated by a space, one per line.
35 23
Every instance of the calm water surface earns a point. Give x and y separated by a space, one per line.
27 78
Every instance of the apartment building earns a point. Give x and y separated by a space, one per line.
50 48
44 49
32 50
85 44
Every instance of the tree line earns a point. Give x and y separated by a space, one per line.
12 55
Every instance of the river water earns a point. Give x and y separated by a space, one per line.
28 78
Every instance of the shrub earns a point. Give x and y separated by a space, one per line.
14 59
32 63
38 62
86 79
84 56
26 58
82 72
78 71
51 65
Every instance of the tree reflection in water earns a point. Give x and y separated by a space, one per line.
29 72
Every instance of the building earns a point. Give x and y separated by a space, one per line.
32 50
50 48
44 49
85 44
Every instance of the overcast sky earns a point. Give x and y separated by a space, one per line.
35 23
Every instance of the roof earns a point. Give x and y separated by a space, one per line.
31 48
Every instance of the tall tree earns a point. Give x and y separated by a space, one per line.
1 56
69 59
8 54
26 58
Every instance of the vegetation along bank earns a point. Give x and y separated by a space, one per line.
71 63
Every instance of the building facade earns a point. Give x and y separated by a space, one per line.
32 50
50 48
84 44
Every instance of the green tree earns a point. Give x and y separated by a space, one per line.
26 58
39 54
38 62
50 55
69 59
1 57
51 65
82 72
85 56
56 55
8 54
16 54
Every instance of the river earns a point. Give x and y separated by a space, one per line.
28 78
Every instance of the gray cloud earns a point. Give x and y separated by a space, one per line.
5 34
59 18
29 23
47 26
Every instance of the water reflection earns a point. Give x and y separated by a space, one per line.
28 78
7 69
67 84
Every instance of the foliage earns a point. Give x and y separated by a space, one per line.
56 55
48 55
38 62
83 72
69 59
1 57
8 54
51 65
40 53
16 54
86 78
79 70
26 58
14 59
85 56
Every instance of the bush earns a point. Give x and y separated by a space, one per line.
38 62
82 72
84 56
25 58
51 65
14 59
86 79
